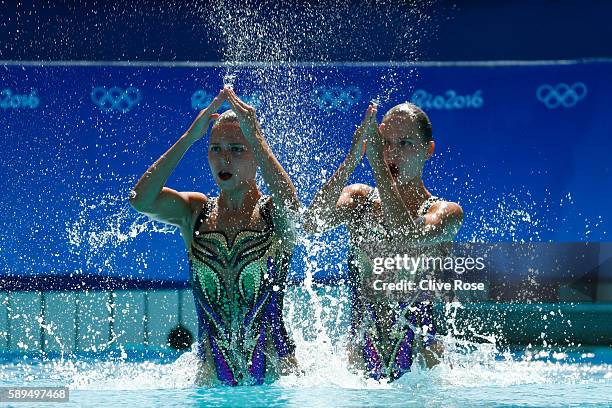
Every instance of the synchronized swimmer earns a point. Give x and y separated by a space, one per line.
397 214
240 243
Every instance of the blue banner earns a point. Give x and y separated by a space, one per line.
524 148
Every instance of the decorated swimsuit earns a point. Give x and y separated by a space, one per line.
383 332
238 289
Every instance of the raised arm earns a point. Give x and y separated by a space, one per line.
333 204
394 211
440 224
283 191
164 204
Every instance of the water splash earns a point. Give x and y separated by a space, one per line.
102 244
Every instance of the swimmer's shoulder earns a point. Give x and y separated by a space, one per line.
197 201
448 210
355 195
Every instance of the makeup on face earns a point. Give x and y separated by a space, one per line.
225 175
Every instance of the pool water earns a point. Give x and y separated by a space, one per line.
478 375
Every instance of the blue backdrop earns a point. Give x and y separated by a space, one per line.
523 148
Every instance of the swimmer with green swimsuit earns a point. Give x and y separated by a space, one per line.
400 214
239 244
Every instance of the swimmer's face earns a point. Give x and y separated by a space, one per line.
405 151
230 157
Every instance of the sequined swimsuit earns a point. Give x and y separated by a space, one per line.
387 353
238 289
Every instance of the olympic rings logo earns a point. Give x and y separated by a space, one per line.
201 99
336 98
115 99
561 94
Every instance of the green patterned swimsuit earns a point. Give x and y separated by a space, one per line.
238 289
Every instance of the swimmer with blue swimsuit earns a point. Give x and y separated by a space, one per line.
239 245
398 216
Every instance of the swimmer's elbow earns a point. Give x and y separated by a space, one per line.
137 202
136 205
139 205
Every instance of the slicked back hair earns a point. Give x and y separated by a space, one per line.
417 115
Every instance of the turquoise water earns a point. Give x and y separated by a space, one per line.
482 376
485 373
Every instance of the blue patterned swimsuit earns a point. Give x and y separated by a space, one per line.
384 332
238 289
